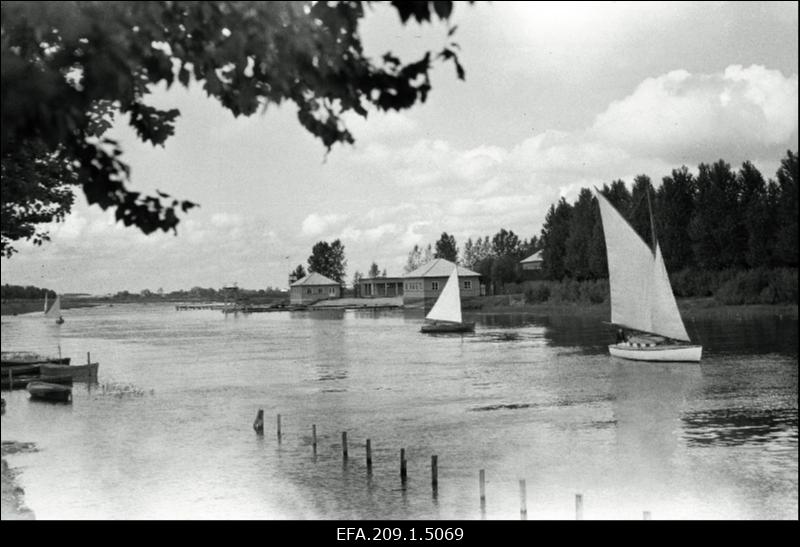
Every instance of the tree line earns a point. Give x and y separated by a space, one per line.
18 292
716 220
28 292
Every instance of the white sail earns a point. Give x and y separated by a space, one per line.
641 295
630 270
448 305
666 318
55 309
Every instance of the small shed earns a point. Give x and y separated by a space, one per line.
313 287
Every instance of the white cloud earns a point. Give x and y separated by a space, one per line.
315 224
226 220
686 117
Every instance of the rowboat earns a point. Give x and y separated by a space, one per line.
49 392
75 372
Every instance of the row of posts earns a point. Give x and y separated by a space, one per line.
258 425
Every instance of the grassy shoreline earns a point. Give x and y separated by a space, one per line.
690 308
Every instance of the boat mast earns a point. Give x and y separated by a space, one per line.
652 222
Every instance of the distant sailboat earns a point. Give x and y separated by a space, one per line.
54 310
445 315
641 296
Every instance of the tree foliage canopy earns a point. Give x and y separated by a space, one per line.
328 259
68 67
446 248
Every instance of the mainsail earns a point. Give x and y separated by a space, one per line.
641 295
55 309
448 306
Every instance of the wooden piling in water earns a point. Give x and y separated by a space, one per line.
523 501
403 474
369 456
435 474
258 425
578 506
482 483
88 358
314 438
344 445
279 428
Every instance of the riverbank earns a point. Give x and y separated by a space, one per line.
690 308
13 505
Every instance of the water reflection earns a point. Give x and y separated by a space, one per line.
738 427
329 349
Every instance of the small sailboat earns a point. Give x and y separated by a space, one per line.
445 315
643 305
54 311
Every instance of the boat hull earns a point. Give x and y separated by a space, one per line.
76 372
18 358
49 392
443 327
657 352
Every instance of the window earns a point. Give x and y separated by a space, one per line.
319 291
467 285
332 291
434 285
308 291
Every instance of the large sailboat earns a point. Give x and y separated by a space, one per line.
445 315
643 306
55 310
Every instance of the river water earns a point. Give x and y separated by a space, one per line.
168 431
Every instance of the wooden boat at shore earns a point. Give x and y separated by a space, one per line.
27 358
49 391
433 327
49 371
21 381
445 315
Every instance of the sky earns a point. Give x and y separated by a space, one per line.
557 96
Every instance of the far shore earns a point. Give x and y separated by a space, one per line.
691 308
